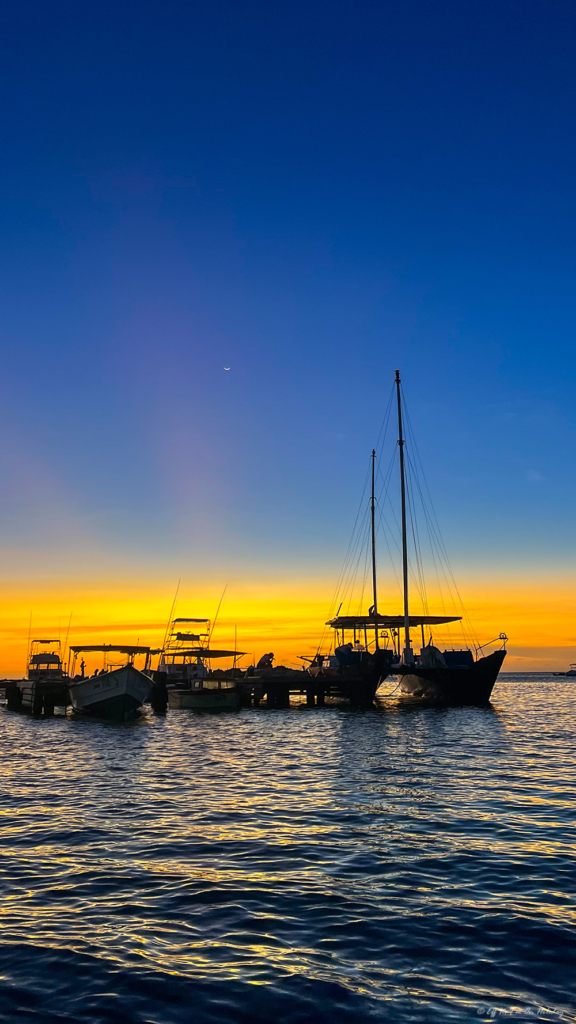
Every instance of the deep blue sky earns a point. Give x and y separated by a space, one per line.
312 194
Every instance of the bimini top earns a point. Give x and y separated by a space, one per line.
201 652
90 648
389 621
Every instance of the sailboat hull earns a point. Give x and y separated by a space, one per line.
358 682
455 686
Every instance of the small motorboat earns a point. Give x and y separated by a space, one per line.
115 692
206 695
571 671
46 682
185 669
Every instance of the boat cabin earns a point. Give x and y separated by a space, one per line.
45 664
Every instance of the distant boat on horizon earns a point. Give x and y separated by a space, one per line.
571 671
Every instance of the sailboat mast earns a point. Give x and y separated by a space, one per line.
408 656
373 525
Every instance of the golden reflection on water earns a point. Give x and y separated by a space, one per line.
357 849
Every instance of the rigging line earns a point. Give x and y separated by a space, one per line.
415 530
348 572
364 578
434 548
396 542
353 579
440 571
350 542
385 490
433 510
412 574
354 555
447 573
353 548
386 420
442 551
349 552
383 523
409 503
381 513
430 526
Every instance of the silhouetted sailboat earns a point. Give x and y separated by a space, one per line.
449 677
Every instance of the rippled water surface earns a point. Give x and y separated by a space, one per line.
307 864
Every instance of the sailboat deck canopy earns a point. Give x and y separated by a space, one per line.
201 652
105 648
389 621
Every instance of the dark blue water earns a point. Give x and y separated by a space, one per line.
300 865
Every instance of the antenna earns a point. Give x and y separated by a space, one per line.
66 640
169 623
216 616
28 645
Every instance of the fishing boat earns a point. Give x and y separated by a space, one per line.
46 682
444 677
114 692
185 669
571 671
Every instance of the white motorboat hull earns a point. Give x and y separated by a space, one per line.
118 694
204 700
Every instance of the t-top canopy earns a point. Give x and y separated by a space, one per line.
389 621
191 620
45 641
104 648
186 636
202 652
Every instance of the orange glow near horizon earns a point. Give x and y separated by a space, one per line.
285 617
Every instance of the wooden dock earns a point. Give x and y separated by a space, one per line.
276 688
35 696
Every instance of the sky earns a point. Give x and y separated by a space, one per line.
314 195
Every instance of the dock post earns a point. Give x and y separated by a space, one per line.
320 699
310 698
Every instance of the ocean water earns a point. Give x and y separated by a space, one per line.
298 865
